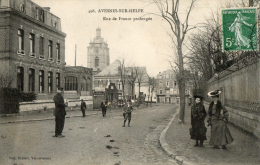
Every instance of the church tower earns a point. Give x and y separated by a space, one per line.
98 53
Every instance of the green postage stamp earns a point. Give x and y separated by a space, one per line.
240 29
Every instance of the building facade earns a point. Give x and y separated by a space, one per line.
167 90
78 80
32 47
109 75
98 53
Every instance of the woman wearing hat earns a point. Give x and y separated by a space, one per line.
218 118
198 115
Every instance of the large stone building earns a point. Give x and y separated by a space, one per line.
98 53
32 47
167 87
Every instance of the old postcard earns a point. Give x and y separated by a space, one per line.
129 82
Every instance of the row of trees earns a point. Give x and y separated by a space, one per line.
205 58
136 75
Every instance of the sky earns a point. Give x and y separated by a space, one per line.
139 43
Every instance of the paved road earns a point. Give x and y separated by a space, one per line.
85 143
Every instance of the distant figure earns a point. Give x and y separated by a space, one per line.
103 108
218 119
198 115
59 113
83 107
128 108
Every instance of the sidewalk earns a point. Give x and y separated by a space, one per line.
41 115
243 150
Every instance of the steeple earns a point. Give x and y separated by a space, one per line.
98 32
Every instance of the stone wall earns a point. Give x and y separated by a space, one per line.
241 95
41 105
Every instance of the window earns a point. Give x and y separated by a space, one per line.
96 62
160 91
31 80
175 83
119 85
41 15
20 75
41 81
96 50
21 41
58 80
37 13
22 8
58 52
50 54
167 83
50 82
71 83
32 44
41 47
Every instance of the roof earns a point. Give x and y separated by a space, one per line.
111 70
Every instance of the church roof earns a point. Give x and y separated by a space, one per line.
111 70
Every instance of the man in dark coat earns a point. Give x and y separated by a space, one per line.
127 113
103 108
83 107
59 113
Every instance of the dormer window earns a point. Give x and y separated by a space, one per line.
22 8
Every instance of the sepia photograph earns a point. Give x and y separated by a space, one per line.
129 82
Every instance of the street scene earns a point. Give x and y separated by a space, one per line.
122 82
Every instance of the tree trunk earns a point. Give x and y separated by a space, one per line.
133 85
181 83
182 100
139 88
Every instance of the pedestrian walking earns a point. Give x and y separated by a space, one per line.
128 108
103 108
59 113
198 114
218 119
83 107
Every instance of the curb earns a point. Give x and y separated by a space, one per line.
44 119
165 146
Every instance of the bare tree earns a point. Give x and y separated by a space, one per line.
5 80
169 11
123 76
132 78
151 87
140 78
206 55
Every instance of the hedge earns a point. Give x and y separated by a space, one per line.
10 98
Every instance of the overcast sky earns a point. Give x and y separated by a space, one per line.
141 43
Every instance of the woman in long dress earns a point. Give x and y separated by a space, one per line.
218 119
198 115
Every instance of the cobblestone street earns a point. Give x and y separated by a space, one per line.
91 140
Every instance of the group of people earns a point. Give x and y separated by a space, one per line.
60 113
127 111
217 119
